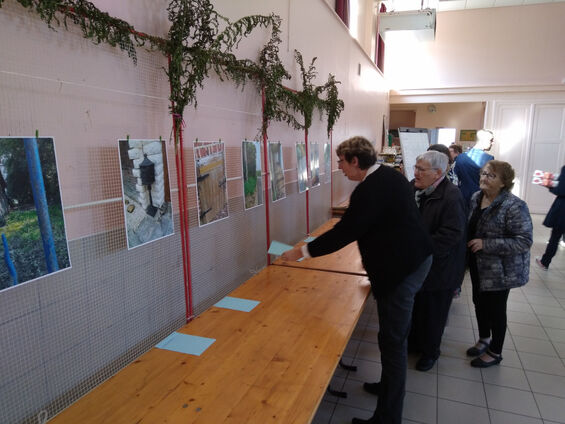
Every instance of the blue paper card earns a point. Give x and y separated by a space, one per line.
237 304
185 343
278 248
309 239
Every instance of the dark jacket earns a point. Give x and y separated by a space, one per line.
467 167
555 218
382 216
505 227
443 212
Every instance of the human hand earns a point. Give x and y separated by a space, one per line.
292 255
475 245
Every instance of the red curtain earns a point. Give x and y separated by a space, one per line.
342 9
380 45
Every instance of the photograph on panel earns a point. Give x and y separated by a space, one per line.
314 165
278 191
327 162
146 190
211 181
252 170
301 167
32 224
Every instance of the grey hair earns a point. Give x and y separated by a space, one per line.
437 160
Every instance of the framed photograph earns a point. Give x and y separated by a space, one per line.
211 181
32 225
252 173
278 190
148 210
301 167
468 135
314 153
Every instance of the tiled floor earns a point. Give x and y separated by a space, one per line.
528 387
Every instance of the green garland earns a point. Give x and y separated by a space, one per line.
195 45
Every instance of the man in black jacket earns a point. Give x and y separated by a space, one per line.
396 253
443 211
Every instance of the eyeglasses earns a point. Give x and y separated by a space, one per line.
420 169
488 175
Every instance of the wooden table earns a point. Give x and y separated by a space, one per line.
346 260
270 365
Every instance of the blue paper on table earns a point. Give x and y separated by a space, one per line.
278 248
309 239
185 343
237 304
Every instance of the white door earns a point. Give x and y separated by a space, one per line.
546 152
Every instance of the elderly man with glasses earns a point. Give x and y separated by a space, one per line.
443 212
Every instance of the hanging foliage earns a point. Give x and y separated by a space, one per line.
201 40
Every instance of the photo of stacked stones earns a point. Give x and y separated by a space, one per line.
146 191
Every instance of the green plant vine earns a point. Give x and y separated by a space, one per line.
201 40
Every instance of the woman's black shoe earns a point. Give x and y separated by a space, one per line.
479 363
477 350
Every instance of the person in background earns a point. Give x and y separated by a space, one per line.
396 251
443 211
454 151
469 164
500 237
555 219
451 175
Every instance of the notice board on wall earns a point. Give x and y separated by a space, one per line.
413 142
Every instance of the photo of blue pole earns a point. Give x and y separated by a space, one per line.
40 200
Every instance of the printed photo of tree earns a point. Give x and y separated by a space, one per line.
32 225
252 169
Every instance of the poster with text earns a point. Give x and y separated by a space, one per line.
146 191
328 162
211 181
252 170
314 165
277 171
301 167
32 224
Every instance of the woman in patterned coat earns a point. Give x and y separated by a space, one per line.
500 237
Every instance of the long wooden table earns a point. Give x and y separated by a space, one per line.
346 260
270 365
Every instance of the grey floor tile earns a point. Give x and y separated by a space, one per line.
500 417
511 400
465 391
455 349
459 368
420 408
523 318
458 334
540 363
542 300
541 347
547 384
552 408
532 331
357 397
552 322
366 370
344 413
324 413
560 347
506 377
450 412
369 351
424 383
519 307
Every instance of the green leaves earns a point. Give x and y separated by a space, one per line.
201 40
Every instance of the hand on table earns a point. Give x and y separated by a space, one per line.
293 254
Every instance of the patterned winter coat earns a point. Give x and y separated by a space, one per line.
506 230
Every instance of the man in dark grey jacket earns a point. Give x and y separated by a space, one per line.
396 252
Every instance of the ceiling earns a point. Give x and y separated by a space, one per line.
446 5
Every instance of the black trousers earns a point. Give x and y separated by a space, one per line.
490 310
429 317
551 248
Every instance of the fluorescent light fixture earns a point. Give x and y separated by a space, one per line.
422 23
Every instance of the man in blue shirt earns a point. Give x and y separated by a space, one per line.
469 164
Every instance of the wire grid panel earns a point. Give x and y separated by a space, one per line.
68 332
